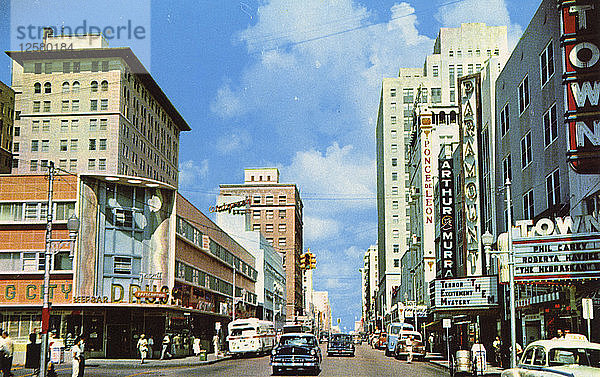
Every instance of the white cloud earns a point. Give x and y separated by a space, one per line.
491 12
190 171
316 228
340 176
317 68
235 141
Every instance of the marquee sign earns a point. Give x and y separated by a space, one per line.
469 104
557 250
580 41
428 166
447 225
465 293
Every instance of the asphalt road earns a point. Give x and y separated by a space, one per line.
367 362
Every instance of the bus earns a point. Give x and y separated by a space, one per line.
393 335
250 335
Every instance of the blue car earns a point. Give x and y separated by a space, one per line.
393 334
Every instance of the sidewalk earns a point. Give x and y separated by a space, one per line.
491 371
18 370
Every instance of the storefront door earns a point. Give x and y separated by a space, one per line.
117 341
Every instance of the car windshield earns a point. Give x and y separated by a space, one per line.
341 338
242 331
580 356
298 341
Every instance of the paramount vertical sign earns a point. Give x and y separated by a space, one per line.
469 104
447 226
580 41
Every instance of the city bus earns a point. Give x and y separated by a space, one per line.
250 335
393 335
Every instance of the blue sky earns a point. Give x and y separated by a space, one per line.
290 84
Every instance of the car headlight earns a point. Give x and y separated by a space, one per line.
313 352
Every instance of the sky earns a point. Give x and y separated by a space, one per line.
292 84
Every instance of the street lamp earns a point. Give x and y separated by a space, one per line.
487 239
73 228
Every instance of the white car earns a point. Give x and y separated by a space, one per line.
572 356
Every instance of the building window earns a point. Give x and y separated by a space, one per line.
469 68
396 248
394 176
269 214
256 214
63 146
92 144
451 77
65 105
62 164
526 153
553 188
103 104
506 168
504 120
45 145
103 124
395 219
395 190
46 126
35 145
395 204
35 126
122 266
36 106
73 145
66 67
523 94
550 126
282 199
392 92
95 66
546 63
452 96
395 233
393 106
282 213
436 95
102 144
47 88
394 148
93 124
46 106
436 71
76 86
93 105
408 95
37 68
73 165
396 262
282 242
76 67
394 161
102 164
256 227
94 86
269 199
394 134
91 164
33 165
528 205
64 126
75 105
16 147
451 53
256 199
270 242
282 227
393 119
48 68
269 228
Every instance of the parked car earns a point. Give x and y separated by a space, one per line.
381 341
296 351
418 347
572 356
357 339
340 344
393 331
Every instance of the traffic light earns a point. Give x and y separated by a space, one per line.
303 261
312 261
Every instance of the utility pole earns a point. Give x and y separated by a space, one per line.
234 304
511 269
47 260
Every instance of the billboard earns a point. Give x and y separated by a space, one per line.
580 41
447 222
464 293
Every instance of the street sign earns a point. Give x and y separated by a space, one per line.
588 308
446 323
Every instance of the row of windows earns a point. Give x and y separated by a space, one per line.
67 87
470 52
269 199
436 97
35 211
93 164
34 261
68 67
46 125
269 227
67 105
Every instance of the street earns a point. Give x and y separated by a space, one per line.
367 362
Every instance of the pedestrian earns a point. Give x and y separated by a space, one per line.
166 344
82 358
216 344
431 339
196 346
150 347
32 354
77 353
142 346
497 346
8 348
409 348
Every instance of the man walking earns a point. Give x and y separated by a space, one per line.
166 344
409 344
8 348
142 346
77 353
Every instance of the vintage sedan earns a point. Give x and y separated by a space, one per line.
340 344
296 351
418 348
572 356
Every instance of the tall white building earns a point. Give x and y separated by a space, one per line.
402 179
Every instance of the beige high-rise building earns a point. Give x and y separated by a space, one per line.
7 117
277 213
92 109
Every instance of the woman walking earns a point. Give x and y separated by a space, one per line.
142 346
